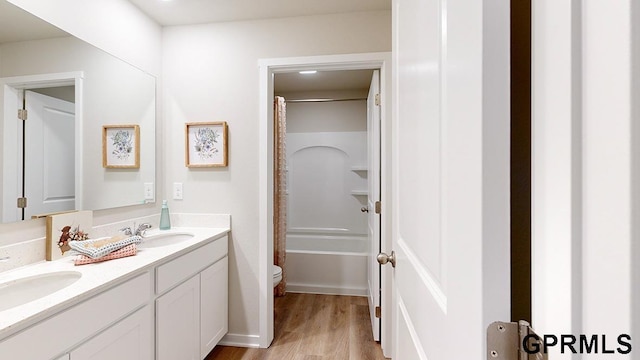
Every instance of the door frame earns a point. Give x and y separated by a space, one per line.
11 102
268 67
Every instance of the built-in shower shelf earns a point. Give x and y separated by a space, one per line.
359 169
359 192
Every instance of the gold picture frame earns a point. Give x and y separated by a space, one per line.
206 144
121 146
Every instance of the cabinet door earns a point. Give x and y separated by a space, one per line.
214 296
178 322
129 339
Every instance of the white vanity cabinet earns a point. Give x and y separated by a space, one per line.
171 305
178 322
74 327
214 305
129 339
191 317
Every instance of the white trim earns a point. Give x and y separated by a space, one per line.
239 340
330 231
326 290
321 252
9 162
269 67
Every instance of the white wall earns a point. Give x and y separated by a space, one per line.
337 116
136 39
211 73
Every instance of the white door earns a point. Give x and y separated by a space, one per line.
178 322
373 165
49 172
450 186
585 253
214 305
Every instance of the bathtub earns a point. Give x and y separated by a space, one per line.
327 264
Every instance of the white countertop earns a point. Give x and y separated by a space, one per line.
95 277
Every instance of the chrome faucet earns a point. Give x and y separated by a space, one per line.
142 228
139 231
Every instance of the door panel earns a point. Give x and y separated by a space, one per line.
49 155
451 176
373 176
419 279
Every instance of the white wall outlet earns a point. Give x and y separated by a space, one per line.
148 191
177 191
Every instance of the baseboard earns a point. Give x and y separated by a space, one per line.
240 340
326 290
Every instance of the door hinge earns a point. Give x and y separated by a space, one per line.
377 99
22 114
378 312
378 207
22 202
514 341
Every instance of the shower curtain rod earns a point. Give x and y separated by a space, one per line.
322 100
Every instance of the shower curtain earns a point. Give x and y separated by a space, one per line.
280 188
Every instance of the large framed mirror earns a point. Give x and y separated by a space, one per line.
52 161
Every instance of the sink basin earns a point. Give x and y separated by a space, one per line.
164 239
23 290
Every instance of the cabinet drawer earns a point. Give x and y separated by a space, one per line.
83 319
184 267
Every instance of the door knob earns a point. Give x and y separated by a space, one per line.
384 258
364 209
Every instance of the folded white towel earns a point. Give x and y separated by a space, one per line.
98 248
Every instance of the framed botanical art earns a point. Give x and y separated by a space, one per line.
206 144
121 146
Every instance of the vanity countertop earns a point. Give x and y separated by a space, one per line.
95 277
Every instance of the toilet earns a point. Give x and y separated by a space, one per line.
277 275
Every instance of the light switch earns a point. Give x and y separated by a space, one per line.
177 191
148 191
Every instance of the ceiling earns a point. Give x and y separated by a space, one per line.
19 25
323 81
189 12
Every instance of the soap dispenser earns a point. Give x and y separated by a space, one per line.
165 221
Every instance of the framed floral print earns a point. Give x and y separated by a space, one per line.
206 144
121 146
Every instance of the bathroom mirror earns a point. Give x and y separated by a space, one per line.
65 161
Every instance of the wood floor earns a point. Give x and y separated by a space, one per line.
314 327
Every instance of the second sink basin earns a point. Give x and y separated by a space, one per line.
164 239
30 288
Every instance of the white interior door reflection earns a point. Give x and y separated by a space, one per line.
47 159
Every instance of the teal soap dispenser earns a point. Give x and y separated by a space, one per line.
165 221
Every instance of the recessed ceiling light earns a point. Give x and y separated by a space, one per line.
308 72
